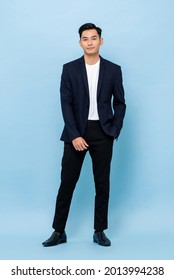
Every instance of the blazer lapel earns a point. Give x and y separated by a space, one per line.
84 74
101 76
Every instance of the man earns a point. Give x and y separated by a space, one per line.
93 108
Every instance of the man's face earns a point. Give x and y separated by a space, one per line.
90 42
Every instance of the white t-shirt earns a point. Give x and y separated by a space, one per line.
92 74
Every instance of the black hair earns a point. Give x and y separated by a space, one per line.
88 26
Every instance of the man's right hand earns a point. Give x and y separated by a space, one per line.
80 144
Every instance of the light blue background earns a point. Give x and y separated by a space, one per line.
37 37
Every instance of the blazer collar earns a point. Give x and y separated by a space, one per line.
81 59
101 74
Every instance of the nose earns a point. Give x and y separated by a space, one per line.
89 42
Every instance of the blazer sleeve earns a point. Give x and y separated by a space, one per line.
67 105
119 105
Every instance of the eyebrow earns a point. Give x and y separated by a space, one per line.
85 37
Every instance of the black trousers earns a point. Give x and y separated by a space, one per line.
100 150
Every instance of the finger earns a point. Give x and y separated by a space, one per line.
81 147
78 148
85 144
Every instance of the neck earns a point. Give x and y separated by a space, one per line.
91 59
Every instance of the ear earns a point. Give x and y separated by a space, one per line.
101 41
80 43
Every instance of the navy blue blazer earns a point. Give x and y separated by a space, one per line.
75 98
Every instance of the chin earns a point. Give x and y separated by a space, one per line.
90 53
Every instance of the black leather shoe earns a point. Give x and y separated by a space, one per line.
101 239
55 239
